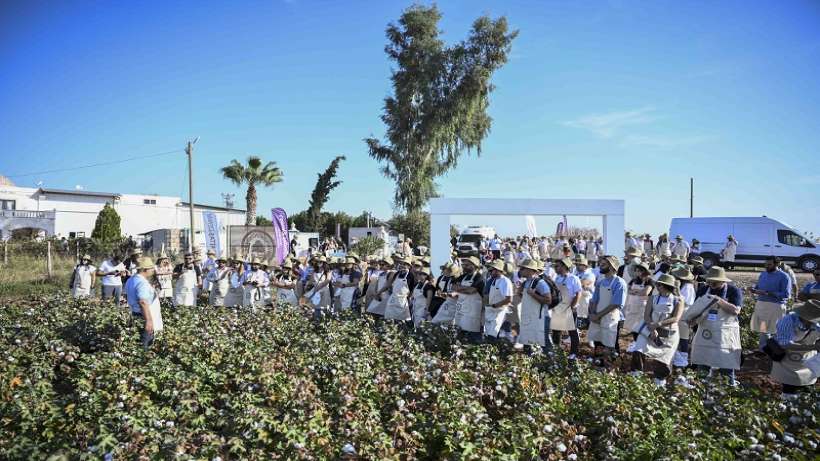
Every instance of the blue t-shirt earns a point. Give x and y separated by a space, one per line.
810 286
618 287
138 289
776 282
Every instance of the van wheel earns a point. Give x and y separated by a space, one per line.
710 260
809 263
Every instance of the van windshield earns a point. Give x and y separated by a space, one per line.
469 238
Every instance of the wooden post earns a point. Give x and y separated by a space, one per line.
48 259
5 252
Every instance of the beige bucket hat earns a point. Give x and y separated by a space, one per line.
566 262
530 264
683 274
473 260
497 265
809 311
668 280
145 263
717 274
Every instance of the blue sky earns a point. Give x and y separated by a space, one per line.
615 99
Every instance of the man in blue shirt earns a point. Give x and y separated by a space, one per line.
606 306
773 290
141 297
811 290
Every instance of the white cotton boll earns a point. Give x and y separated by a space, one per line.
548 428
349 449
561 447
572 457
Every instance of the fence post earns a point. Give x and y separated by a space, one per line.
5 252
48 259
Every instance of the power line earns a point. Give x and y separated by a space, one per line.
113 162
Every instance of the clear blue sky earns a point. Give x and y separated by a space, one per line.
615 99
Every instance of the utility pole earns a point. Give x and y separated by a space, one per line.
691 197
189 150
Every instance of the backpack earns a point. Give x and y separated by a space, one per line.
555 295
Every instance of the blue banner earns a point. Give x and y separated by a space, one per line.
210 224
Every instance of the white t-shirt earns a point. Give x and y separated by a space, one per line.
111 280
495 245
83 275
504 285
687 292
572 283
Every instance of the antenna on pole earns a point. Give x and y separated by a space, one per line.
228 199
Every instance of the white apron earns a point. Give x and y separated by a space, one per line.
447 311
532 317
634 309
765 317
468 316
219 289
235 292
419 305
717 342
82 282
494 316
605 330
562 318
729 252
379 303
166 284
346 294
253 296
398 306
287 295
792 369
185 291
319 299
664 249
156 314
661 310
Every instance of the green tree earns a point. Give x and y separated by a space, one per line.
331 219
107 227
414 225
300 220
440 98
362 219
253 173
321 193
263 221
367 246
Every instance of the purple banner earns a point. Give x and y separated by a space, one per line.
280 229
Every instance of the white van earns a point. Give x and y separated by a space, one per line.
470 239
757 239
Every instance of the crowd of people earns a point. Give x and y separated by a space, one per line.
658 300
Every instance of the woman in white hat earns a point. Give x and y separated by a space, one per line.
164 273
658 337
534 312
317 288
587 278
82 279
798 334
285 283
563 315
499 290
422 296
254 282
398 304
347 283
236 292
716 342
470 287
638 292
378 303
729 251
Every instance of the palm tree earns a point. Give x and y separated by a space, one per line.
252 173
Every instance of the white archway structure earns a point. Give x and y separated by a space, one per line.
441 209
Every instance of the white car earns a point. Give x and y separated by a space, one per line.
757 237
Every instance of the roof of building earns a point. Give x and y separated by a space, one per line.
212 207
84 193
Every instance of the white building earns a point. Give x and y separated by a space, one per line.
72 213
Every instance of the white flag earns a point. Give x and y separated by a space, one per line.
531 230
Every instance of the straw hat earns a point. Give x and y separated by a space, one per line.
135 252
211 253
581 260
425 270
566 262
162 256
809 311
145 263
353 255
612 260
678 237
696 259
530 264
288 264
351 260
86 256
668 280
717 274
473 260
497 265
633 252
683 274
628 234
644 266
387 260
256 261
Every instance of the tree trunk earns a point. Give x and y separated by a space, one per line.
250 199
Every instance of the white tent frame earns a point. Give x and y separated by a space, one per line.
442 209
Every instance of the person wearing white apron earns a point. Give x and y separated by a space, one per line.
637 296
716 343
235 291
371 282
446 311
663 248
188 277
378 304
398 304
587 278
440 286
680 248
592 252
729 252
470 287
164 274
811 290
317 289
220 282
82 280
499 299
658 336
285 285
207 266
686 289
144 302
606 308
254 282
648 245
346 285
798 333
773 290
563 315
534 312
422 297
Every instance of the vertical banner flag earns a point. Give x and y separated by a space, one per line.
282 237
559 231
566 226
531 230
211 225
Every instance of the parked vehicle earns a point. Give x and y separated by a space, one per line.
469 241
757 237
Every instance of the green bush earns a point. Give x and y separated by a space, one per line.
74 384
107 226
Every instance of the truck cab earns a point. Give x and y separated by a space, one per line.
469 241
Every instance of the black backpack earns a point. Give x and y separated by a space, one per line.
555 295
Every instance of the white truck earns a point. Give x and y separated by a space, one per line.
469 240
757 237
